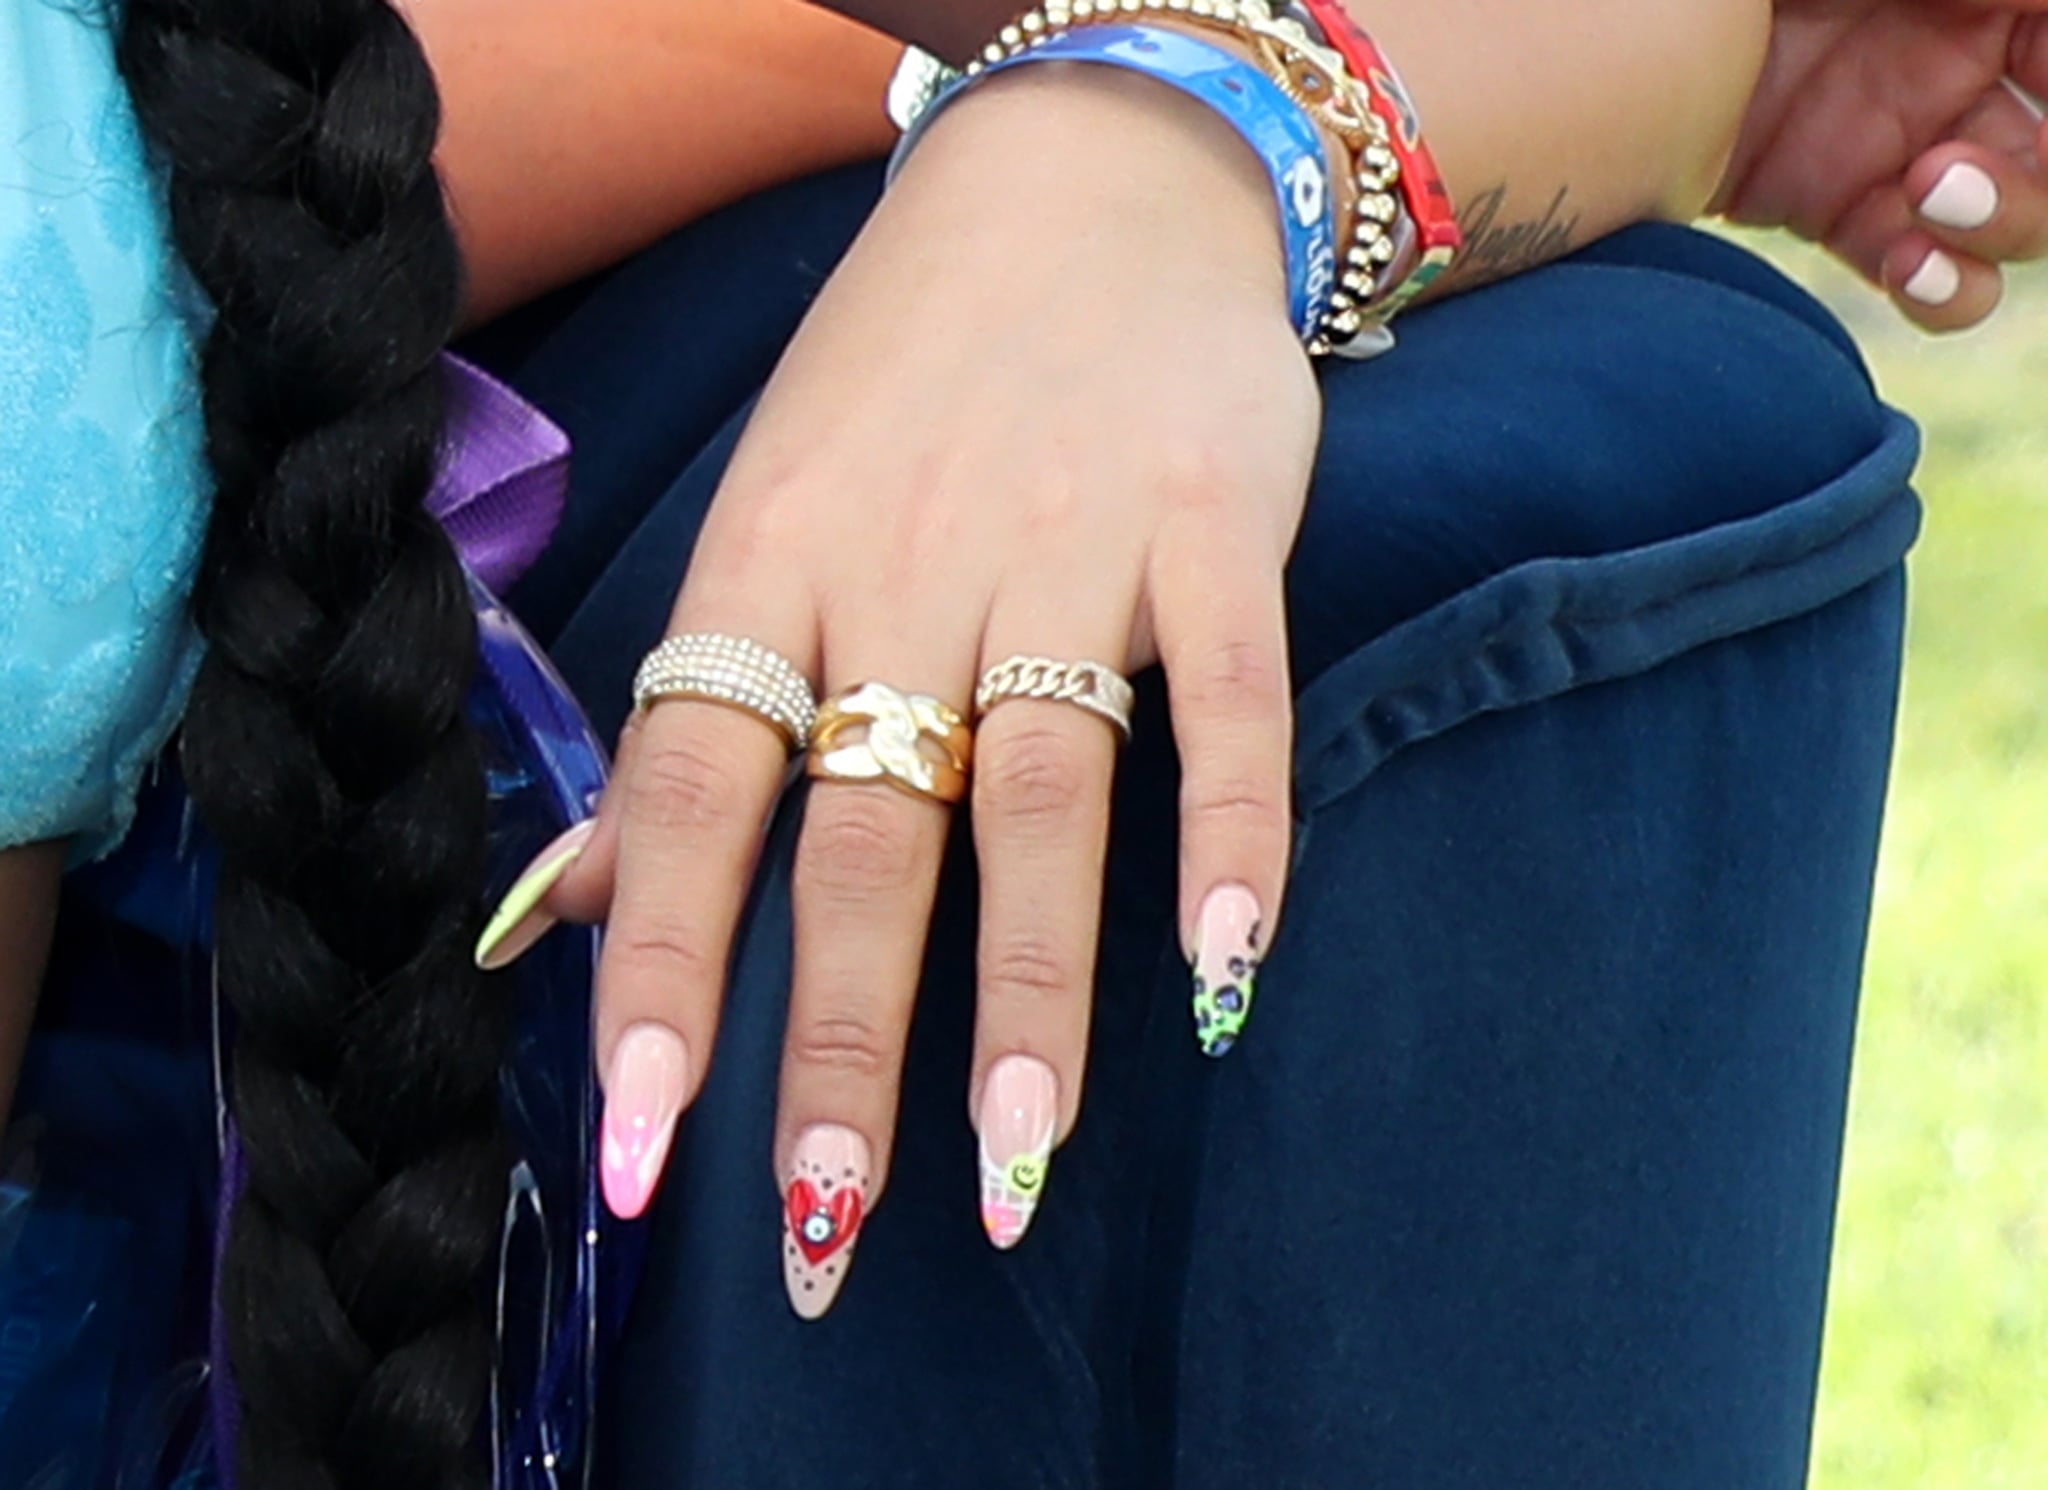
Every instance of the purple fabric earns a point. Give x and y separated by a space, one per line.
504 476
503 481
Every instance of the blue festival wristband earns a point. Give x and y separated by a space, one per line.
1277 128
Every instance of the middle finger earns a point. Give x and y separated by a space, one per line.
866 874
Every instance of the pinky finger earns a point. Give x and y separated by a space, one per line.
1222 637
1937 288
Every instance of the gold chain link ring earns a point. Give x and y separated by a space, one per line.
911 741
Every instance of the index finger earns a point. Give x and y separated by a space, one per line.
692 805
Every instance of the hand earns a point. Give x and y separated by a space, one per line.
1884 129
1049 404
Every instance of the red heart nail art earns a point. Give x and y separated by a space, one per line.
822 1227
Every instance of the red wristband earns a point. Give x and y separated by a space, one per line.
1422 184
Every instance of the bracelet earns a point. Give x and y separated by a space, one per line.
1427 198
1278 128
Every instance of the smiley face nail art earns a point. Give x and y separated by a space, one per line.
1018 1121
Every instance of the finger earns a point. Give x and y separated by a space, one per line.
1937 288
866 872
691 807
569 880
1940 289
1980 203
1223 641
1041 827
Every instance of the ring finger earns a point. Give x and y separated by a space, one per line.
1041 828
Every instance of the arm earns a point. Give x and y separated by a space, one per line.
580 130
1554 123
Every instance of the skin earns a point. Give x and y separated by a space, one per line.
1862 107
577 134
1084 494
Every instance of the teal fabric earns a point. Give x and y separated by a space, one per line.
102 499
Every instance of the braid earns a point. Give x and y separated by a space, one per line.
326 745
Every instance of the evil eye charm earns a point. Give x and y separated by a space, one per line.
818 1228
1308 188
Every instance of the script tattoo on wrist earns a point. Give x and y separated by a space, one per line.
1498 245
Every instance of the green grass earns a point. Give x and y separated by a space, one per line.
1936 1369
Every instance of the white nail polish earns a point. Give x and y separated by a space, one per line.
1965 198
1936 281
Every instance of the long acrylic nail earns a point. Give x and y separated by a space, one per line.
1227 943
1965 198
643 1096
520 920
1020 1111
1936 281
824 1202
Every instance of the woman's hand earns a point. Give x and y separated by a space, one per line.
1884 129
1049 404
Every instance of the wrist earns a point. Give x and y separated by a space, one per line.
1097 152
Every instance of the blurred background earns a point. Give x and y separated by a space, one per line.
1936 1368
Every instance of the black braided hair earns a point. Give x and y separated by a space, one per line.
326 745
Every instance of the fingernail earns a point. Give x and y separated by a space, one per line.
643 1096
822 1210
1965 197
1936 281
519 921
1020 1109
1226 966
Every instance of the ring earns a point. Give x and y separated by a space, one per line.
731 670
912 741
1102 691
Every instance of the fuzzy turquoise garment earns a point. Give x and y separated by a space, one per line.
102 490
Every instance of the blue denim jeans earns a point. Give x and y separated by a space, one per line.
1525 1170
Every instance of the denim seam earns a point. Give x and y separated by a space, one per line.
1350 752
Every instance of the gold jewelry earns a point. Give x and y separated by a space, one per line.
735 671
1314 75
912 741
1101 690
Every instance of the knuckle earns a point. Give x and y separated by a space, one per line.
679 784
857 847
1031 968
670 953
1242 803
1034 776
849 1044
1238 678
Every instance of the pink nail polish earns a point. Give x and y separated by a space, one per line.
643 1096
1228 943
824 1203
1020 1110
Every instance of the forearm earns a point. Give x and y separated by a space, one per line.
579 131
1554 123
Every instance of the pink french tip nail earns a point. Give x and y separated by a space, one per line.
1228 941
643 1097
1020 1110
824 1204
